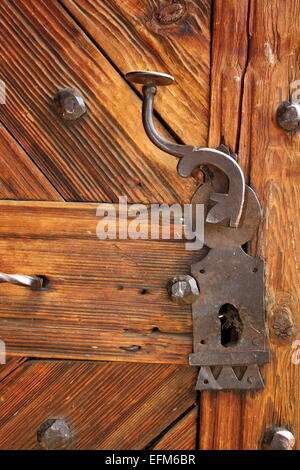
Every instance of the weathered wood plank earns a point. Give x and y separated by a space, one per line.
274 174
105 154
19 177
228 63
273 160
102 296
159 35
107 406
181 436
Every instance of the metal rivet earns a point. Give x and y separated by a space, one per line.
68 103
54 434
288 116
251 380
256 341
278 438
183 289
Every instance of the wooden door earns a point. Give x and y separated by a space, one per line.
102 348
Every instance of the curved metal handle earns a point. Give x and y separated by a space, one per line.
34 282
228 206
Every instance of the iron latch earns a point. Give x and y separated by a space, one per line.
226 287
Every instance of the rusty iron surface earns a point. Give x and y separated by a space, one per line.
228 276
219 235
227 379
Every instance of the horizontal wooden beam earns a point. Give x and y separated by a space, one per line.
105 299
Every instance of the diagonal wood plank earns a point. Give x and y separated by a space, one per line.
19 177
12 363
105 299
105 154
107 406
161 35
181 436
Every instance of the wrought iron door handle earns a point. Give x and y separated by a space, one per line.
228 206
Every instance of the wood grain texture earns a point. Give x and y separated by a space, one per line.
12 363
19 177
102 156
181 436
161 35
102 296
107 406
228 63
274 173
272 158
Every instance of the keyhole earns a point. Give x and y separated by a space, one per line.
231 325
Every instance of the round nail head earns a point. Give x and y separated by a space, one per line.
54 434
144 77
278 438
69 104
183 289
288 116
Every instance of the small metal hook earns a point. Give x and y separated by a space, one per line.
228 206
34 282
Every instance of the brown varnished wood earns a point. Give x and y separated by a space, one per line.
104 155
107 406
273 161
20 178
102 297
181 436
11 364
154 35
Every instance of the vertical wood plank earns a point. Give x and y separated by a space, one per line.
222 411
228 63
238 421
273 158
